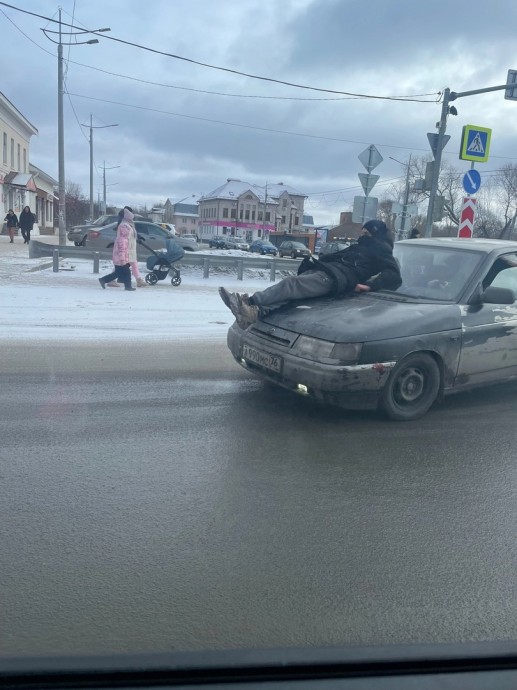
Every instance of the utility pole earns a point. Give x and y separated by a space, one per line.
406 199
92 127
61 140
60 117
104 168
91 170
264 218
437 163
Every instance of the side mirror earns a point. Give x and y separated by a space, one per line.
497 295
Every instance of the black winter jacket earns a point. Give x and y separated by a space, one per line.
27 220
370 262
11 220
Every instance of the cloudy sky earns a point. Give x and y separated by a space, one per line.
184 128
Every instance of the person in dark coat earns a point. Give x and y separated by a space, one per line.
367 265
415 234
26 223
11 220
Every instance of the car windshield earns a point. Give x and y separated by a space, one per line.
431 272
197 456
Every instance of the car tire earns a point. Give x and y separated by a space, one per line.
411 388
79 244
293 255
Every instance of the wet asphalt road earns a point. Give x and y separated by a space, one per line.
203 509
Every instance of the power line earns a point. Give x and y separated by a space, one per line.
236 124
223 69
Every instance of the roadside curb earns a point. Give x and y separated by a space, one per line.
41 267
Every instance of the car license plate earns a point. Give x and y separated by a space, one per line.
262 359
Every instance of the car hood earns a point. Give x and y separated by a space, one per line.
362 318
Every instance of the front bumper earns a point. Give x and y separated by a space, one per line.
356 386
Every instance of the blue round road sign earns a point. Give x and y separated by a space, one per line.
471 181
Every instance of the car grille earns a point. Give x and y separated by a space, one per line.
273 334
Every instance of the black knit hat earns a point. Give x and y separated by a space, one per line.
376 228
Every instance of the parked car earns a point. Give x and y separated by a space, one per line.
293 249
78 233
333 246
450 326
188 242
151 233
263 247
217 242
237 243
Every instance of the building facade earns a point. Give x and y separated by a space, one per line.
17 186
45 198
184 217
21 182
246 210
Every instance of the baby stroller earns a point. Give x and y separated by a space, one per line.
161 263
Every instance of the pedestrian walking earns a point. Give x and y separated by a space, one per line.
26 223
366 265
133 261
121 258
11 220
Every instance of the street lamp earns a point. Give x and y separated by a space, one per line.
60 118
92 127
406 195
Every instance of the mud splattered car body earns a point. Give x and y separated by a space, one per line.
451 325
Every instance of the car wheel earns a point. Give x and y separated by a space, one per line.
411 388
151 278
293 255
79 244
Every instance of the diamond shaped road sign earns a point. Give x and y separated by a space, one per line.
370 158
368 181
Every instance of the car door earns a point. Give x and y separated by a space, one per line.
155 236
489 340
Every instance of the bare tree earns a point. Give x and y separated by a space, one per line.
506 180
77 206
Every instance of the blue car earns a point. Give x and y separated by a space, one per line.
263 247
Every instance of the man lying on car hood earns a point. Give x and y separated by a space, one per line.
367 265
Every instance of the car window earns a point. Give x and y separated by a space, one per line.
503 273
156 231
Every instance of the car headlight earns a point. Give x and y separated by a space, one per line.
320 350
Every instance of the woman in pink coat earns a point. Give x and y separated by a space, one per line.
121 252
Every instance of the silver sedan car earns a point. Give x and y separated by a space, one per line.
152 235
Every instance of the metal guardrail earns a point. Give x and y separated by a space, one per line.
39 250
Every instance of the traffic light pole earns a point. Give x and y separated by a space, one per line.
437 163
449 96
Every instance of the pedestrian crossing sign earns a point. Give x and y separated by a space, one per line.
475 143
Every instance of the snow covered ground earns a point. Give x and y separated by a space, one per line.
70 304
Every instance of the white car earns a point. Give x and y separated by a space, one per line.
188 242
